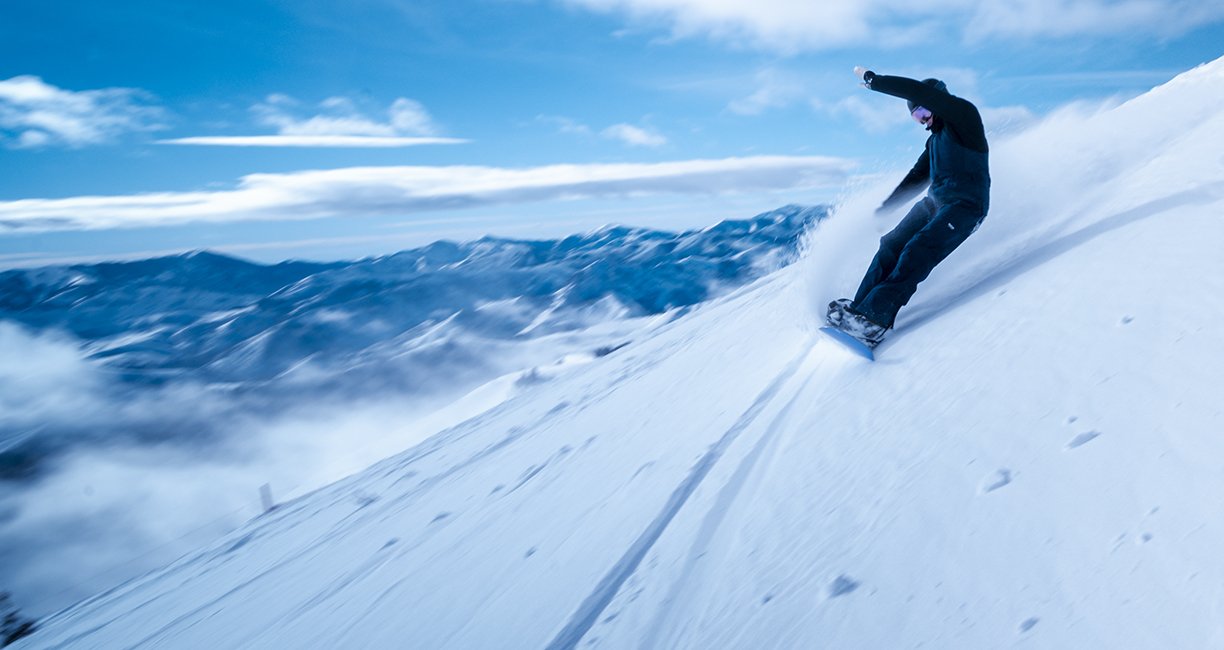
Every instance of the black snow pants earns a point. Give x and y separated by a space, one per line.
928 234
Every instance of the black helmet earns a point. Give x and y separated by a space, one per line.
934 83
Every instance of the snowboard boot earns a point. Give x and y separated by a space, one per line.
861 327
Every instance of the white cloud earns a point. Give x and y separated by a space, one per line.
775 89
874 115
109 503
370 191
405 117
634 136
1149 77
339 123
788 26
409 116
1067 18
768 24
565 124
43 379
36 114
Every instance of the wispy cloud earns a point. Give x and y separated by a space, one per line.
774 89
788 26
768 24
35 114
341 116
140 476
43 380
1071 18
334 122
634 136
565 124
873 115
625 133
1107 78
373 191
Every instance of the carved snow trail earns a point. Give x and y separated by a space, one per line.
593 606
698 553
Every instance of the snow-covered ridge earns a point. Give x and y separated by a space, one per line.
196 313
1033 461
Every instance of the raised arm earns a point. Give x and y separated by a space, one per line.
958 113
939 102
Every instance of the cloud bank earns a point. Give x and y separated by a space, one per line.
788 26
392 191
35 114
139 477
43 379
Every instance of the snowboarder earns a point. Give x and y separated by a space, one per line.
954 166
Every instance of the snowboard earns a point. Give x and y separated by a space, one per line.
849 342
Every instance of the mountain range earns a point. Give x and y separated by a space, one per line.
432 321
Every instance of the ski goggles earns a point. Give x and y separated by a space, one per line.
921 115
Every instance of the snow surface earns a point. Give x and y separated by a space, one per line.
1034 460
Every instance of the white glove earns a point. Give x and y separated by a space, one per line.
859 71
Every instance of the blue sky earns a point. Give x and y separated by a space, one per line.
322 129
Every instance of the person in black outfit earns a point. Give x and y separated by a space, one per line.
954 167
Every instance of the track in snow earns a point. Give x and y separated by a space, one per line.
588 613
714 518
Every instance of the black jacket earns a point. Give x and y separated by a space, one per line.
955 160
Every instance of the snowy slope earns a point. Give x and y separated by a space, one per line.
1034 460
